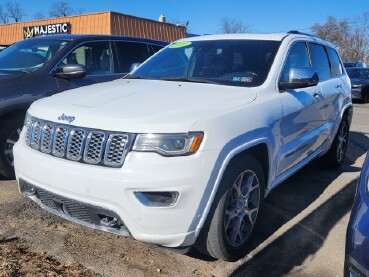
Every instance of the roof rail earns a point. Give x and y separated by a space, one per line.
301 33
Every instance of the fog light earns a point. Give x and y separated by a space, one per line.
157 198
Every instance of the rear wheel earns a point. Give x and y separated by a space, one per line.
9 135
236 211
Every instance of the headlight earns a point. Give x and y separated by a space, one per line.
357 85
169 144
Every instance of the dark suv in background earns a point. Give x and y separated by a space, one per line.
40 67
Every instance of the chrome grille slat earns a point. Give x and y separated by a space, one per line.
115 150
46 138
60 141
94 147
75 144
29 123
84 145
36 134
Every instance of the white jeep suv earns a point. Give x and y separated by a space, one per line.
183 150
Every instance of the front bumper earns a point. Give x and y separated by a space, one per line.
112 190
356 94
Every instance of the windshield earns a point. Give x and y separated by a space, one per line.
29 55
228 62
358 73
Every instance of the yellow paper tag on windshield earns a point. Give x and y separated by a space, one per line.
180 44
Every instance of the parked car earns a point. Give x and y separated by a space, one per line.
359 83
39 67
357 236
354 64
184 150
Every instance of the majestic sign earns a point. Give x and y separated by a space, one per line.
45 30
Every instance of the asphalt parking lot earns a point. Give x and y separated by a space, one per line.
302 231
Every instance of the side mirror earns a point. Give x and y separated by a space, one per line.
134 66
300 77
70 71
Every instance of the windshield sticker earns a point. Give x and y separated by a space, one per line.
242 79
180 44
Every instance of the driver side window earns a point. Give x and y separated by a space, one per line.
95 56
297 56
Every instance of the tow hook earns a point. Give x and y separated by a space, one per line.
108 221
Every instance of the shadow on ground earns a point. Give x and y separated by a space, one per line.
298 243
291 198
287 201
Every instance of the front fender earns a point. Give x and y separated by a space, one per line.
234 147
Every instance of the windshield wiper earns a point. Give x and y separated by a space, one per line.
181 79
193 80
128 76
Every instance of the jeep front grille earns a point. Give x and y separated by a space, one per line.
78 144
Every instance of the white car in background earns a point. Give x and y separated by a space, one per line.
184 150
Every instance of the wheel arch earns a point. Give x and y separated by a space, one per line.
348 111
260 149
259 152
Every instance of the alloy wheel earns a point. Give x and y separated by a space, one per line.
242 208
9 144
342 141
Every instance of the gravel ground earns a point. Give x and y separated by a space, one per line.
93 251
16 260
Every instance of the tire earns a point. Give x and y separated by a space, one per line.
336 154
366 97
240 195
9 134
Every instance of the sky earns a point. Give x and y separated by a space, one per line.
205 16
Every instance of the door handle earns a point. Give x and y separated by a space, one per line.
317 93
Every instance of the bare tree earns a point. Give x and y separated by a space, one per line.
360 38
39 15
14 11
350 36
3 15
60 9
231 26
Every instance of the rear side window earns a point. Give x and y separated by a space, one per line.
131 52
336 66
297 56
320 61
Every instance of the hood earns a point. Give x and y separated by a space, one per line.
141 105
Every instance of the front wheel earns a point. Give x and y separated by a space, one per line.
336 154
236 211
9 135
366 97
